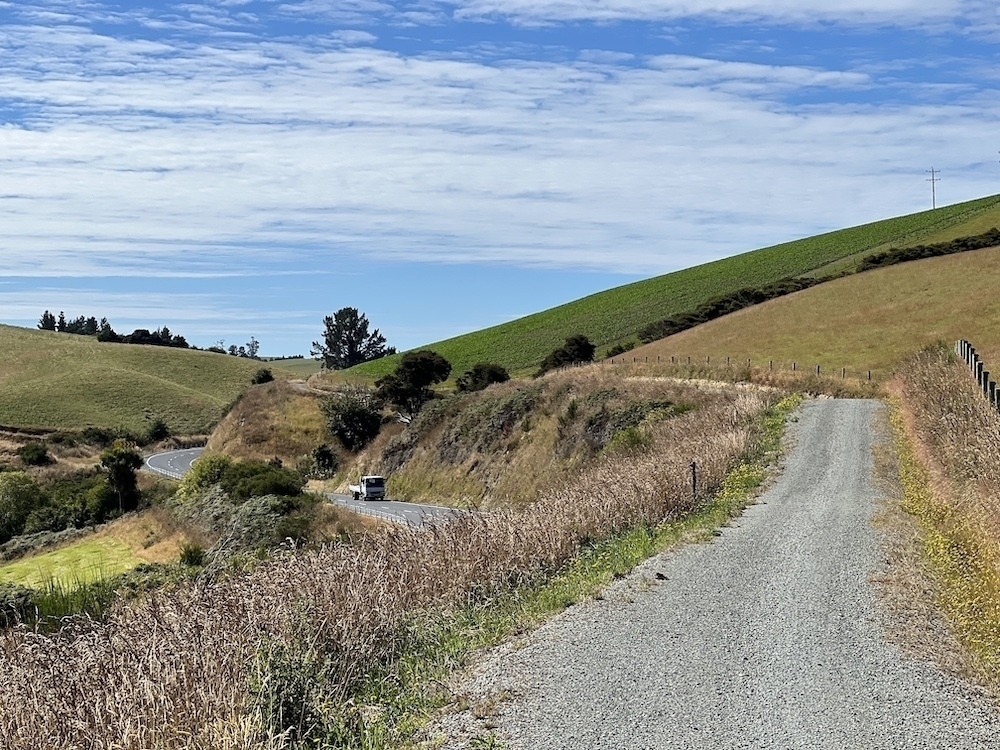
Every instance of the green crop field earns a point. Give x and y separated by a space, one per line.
617 314
73 565
62 381
870 321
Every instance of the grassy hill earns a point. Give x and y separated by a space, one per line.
615 315
61 381
868 321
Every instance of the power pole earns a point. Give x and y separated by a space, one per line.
933 180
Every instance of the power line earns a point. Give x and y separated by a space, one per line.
933 180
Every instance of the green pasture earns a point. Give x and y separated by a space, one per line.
62 381
72 566
617 314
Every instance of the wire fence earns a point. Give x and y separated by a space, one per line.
967 352
731 362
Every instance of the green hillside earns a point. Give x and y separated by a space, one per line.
617 314
63 381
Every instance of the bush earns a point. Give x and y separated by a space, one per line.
205 472
34 454
354 417
158 430
480 376
192 555
19 495
324 462
263 375
247 479
618 349
576 349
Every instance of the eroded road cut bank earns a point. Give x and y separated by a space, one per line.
768 637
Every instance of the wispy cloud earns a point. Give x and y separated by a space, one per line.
225 154
854 12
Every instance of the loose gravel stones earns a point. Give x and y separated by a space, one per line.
767 637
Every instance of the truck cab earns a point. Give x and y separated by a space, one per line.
370 487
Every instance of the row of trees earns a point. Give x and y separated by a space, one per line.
104 332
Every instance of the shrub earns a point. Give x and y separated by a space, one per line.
205 472
247 479
576 349
617 349
263 375
192 555
353 416
324 461
34 454
19 495
158 430
480 376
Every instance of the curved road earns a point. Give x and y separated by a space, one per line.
768 637
174 464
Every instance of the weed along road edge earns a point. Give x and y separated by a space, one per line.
174 464
769 636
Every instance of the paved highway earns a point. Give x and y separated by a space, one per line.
174 464
409 514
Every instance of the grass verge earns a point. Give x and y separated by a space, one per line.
399 703
962 564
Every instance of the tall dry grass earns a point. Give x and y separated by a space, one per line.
289 650
954 490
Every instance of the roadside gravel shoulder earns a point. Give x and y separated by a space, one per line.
768 637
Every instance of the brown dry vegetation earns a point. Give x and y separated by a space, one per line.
951 485
504 446
280 419
289 649
871 321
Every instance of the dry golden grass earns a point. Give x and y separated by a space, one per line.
210 664
275 419
530 451
871 321
951 483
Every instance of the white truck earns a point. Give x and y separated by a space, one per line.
369 488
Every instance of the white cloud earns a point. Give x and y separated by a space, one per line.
197 159
792 11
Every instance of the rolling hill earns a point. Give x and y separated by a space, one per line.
865 321
61 381
617 314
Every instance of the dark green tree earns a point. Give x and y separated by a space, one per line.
353 416
19 495
408 386
576 349
47 322
347 342
480 376
121 461
61 322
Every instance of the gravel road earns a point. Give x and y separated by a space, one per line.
768 637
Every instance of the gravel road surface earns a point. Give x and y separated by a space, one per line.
768 637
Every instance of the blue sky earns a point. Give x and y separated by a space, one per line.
237 168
